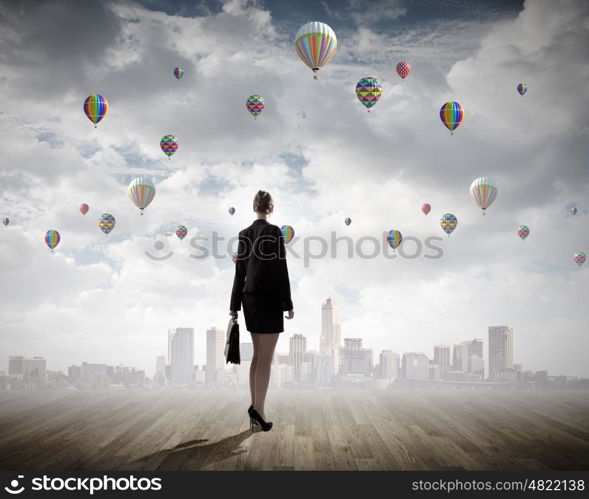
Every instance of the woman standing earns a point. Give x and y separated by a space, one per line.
261 284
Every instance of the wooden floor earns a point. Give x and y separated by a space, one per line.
314 430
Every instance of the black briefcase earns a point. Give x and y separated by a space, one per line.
232 343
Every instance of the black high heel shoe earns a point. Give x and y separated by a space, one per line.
256 420
250 409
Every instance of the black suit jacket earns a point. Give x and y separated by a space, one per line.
261 265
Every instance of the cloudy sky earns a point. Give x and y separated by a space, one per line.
320 154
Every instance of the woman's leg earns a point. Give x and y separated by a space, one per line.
266 346
253 369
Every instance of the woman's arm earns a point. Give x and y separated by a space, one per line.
240 273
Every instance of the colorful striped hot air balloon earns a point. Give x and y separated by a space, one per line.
106 223
448 222
522 88
315 43
5 220
181 232
394 238
451 114
368 91
169 145
234 256
96 108
52 239
231 210
580 258
348 221
483 192
425 208
178 72
403 69
141 191
574 210
523 232
255 105
287 233
84 208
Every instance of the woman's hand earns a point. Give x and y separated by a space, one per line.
233 314
289 315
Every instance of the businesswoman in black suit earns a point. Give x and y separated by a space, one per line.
261 284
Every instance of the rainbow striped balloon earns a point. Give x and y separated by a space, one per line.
448 222
255 105
5 220
523 232
52 239
96 108
451 114
181 232
231 210
394 238
368 91
106 223
483 192
315 43
141 191
169 145
178 72
580 258
287 233
522 88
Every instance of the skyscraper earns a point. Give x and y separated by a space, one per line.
500 352
181 355
34 370
354 358
389 363
215 355
16 365
330 340
415 366
160 370
296 353
460 357
442 359
475 347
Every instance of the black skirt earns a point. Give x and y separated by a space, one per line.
263 313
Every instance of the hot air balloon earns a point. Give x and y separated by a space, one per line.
580 258
523 232
231 210
403 69
287 233
5 220
483 192
178 72
574 210
315 43
394 238
96 108
522 88
451 114
348 221
52 239
426 208
84 208
106 223
141 191
169 145
234 256
255 105
368 91
448 222
181 232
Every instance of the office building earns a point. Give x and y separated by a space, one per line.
215 356
442 360
389 364
460 357
296 353
181 355
354 358
330 340
34 370
415 366
16 365
500 353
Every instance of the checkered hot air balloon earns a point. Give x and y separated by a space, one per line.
368 91
483 192
287 233
580 258
181 232
448 222
394 238
255 105
52 239
426 208
96 108
315 43
106 223
169 145
141 191
452 114
523 232
403 69
84 208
